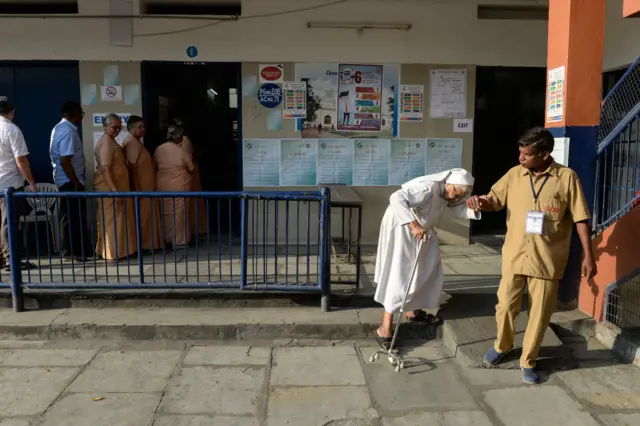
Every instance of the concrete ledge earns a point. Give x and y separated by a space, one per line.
620 342
200 324
470 338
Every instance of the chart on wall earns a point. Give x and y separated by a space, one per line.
326 110
356 162
360 97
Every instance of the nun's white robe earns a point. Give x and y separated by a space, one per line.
419 199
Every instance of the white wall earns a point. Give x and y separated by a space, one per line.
622 37
443 32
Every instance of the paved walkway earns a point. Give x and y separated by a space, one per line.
297 383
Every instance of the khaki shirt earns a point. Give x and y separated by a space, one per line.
562 202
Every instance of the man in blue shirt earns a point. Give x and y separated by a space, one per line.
69 172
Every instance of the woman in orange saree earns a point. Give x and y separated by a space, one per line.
116 238
173 174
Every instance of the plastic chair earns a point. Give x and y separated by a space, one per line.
42 212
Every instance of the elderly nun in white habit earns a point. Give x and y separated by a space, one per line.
413 214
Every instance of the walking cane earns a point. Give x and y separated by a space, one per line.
396 359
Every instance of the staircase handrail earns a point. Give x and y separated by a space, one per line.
618 104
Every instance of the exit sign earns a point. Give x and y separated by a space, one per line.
463 125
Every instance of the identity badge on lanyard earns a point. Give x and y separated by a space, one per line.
535 219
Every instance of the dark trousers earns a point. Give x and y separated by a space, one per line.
72 223
4 228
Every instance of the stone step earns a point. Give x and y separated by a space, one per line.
470 330
200 324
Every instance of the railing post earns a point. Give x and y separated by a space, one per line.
139 242
14 251
324 249
244 236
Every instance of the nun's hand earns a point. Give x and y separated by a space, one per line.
418 231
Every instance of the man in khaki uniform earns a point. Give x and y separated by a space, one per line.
543 200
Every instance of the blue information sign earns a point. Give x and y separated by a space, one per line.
192 51
270 95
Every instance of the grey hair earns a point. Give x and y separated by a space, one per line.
174 133
109 118
466 188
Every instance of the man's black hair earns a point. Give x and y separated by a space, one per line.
132 121
6 108
71 109
540 138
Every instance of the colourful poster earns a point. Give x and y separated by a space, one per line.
360 98
321 121
295 99
261 162
555 95
411 101
443 154
297 162
406 160
371 162
334 162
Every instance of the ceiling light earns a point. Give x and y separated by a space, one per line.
359 26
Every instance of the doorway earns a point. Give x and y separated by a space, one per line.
508 102
37 90
204 95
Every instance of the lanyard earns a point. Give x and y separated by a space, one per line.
533 188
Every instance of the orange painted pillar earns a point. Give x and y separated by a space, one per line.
631 8
574 84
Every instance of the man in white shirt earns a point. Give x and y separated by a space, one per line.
14 171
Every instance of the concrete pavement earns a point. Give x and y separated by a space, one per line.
314 383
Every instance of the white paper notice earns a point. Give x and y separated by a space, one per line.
96 138
261 162
111 93
411 100
443 154
407 160
334 162
371 162
448 93
121 137
560 151
555 95
462 125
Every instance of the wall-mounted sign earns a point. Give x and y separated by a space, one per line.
192 51
111 93
271 73
98 118
462 125
270 95
3 98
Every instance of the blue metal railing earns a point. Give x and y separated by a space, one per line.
619 104
618 173
260 241
622 302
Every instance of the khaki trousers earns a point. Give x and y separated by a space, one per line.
542 304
